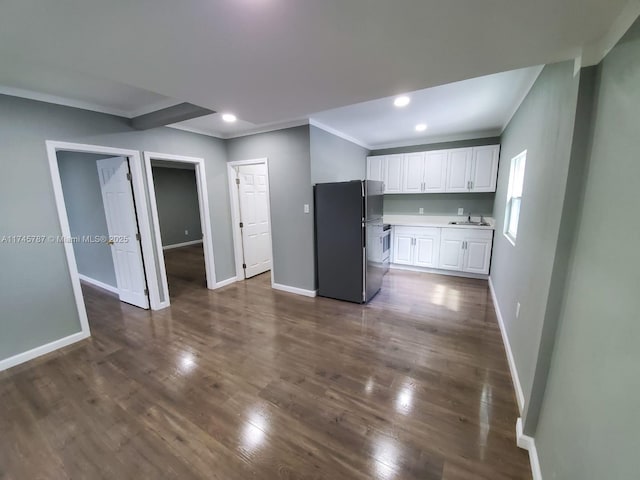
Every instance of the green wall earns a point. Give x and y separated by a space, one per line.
589 427
334 159
177 202
543 125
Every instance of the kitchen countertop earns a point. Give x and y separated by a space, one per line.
436 221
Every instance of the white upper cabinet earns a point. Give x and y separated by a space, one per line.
393 174
435 171
484 170
459 170
375 168
413 173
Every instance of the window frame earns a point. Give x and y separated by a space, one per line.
515 192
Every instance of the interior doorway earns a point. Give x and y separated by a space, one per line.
110 223
250 205
184 247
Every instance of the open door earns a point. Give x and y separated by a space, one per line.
254 217
124 238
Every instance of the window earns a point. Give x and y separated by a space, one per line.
514 197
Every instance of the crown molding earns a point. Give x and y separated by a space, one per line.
338 133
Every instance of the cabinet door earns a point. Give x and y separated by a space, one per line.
435 171
413 173
375 168
477 255
402 248
426 250
393 174
484 171
459 170
451 251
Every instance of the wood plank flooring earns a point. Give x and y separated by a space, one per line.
249 382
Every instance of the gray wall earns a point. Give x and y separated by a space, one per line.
334 159
290 188
543 125
439 203
85 210
589 424
27 207
177 201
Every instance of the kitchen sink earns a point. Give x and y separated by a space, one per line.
475 224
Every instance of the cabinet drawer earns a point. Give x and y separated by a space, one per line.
417 231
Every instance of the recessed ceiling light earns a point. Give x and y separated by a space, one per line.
421 127
402 101
229 117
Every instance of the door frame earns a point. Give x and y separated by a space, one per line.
205 218
140 202
234 203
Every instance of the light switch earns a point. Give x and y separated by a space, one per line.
518 310
421 210
186 232
306 208
461 211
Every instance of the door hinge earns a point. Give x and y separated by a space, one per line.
146 292
237 181
244 265
241 225
137 236
129 176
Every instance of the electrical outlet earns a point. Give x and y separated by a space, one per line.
517 309
186 232
461 211
306 208
421 210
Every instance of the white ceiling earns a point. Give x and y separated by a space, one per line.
279 61
71 87
474 108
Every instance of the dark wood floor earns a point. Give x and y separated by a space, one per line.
185 270
248 382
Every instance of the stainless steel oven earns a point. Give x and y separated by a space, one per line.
386 246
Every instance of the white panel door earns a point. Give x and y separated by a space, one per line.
375 168
451 252
435 171
413 173
122 224
254 215
484 171
403 249
477 255
459 170
393 174
426 252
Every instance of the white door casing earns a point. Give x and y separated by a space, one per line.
124 242
254 215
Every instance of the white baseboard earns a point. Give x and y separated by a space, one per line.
99 284
226 282
41 350
183 244
528 443
507 346
296 290
437 271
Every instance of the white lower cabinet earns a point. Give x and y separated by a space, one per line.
416 246
466 250
455 249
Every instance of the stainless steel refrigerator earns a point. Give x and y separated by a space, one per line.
349 236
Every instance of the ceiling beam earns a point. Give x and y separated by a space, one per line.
169 115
